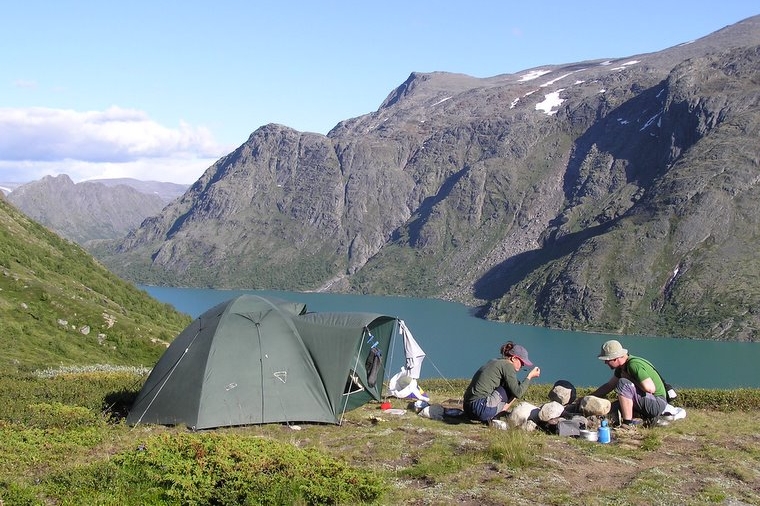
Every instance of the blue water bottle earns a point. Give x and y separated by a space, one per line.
604 433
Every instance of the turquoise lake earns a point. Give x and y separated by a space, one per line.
457 343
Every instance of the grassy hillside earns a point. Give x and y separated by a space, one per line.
59 306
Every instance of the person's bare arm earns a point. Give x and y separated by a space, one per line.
606 388
647 385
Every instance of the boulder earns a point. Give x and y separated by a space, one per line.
550 410
524 416
563 392
592 405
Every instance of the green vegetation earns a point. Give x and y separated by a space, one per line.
63 441
297 265
214 468
59 306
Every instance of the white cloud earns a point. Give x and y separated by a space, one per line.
25 83
116 142
174 170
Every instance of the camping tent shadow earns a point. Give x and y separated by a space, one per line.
117 404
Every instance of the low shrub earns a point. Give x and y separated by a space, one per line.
220 468
61 416
740 399
97 391
18 494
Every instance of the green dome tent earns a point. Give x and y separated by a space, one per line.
254 360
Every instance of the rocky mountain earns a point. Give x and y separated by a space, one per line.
87 211
615 195
166 190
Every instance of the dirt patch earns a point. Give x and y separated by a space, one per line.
446 462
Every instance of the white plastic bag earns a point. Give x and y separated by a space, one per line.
403 386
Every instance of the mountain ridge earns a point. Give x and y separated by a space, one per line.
509 192
92 210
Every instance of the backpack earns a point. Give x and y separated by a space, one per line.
670 392
372 365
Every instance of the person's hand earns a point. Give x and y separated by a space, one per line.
534 373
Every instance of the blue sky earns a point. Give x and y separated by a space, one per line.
161 89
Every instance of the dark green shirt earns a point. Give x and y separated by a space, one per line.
493 374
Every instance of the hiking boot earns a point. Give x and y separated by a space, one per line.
656 421
632 424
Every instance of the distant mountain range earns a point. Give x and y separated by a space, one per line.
92 210
613 195
166 191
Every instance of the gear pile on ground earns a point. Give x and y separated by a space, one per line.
567 415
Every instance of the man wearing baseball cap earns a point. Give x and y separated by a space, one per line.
640 389
495 385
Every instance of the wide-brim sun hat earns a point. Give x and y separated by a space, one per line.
611 350
521 353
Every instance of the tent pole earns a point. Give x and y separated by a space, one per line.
169 375
356 365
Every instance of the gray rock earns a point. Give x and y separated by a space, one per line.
550 410
563 392
591 405
524 416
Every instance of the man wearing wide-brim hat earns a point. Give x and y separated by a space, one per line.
640 389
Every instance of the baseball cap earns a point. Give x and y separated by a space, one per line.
521 353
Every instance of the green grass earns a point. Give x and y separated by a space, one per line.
59 306
63 441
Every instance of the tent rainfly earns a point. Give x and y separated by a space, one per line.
254 360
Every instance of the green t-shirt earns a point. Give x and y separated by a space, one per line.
638 369
493 374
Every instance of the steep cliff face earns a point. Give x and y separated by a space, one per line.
603 195
681 259
270 214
